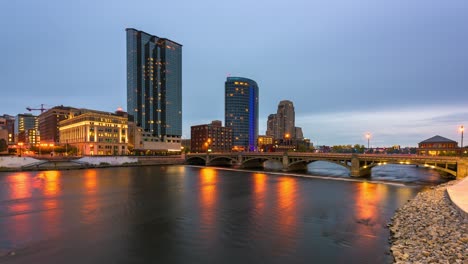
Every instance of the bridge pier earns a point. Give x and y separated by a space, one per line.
285 162
462 168
358 168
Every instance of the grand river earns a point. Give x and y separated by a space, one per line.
184 214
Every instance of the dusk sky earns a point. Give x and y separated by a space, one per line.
397 69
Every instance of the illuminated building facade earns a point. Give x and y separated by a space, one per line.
211 137
265 143
96 133
26 129
49 120
154 90
241 112
7 122
438 146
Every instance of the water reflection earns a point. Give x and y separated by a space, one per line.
218 217
51 184
287 213
259 192
208 194
90 181
90 205
21 185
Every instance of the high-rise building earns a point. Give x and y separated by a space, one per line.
241 112
154 89
272 126
49 120
285 119
282 124
26 129
211 137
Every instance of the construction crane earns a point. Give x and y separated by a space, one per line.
42 109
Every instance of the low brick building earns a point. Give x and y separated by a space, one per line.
438 146
211 137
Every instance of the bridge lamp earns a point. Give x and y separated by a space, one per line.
368 140
461 131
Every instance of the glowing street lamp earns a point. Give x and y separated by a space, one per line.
368 136
21 147
461 131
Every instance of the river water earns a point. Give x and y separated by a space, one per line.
184 214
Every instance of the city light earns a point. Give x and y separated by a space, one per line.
462 128
368 136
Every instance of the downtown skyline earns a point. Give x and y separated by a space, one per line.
394 69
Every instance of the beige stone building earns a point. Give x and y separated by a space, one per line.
96 133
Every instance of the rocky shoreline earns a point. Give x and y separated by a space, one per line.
430 229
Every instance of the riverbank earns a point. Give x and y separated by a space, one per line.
430 229
12 164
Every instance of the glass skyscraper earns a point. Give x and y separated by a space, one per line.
154 86
241 112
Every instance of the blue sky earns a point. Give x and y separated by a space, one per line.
397 69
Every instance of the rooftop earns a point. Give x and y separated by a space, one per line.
438 139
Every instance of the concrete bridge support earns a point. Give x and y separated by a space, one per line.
358 168
462 168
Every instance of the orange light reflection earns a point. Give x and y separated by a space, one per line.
208 194
368 197
21 186
51 187
287 212
259 191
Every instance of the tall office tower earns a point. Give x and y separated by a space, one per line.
154 89
241 112
285 120
26 129
271 126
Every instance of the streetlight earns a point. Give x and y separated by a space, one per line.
21 147
368 135
287 138
461 130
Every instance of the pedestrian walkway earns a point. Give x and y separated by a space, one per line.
458 193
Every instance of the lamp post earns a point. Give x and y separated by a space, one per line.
461 147
21 147
287 136
368 140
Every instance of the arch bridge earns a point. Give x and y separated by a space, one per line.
359 165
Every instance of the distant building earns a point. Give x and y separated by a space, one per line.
95 132
298 133
26 129
49 120
285 120
186 143
241 112
265 143
7 122
3 140
154 91
436 146
272 126
211 137
282 124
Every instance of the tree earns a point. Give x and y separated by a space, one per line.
3 145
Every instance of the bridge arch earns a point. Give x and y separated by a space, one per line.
196 160
435 166
305 162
